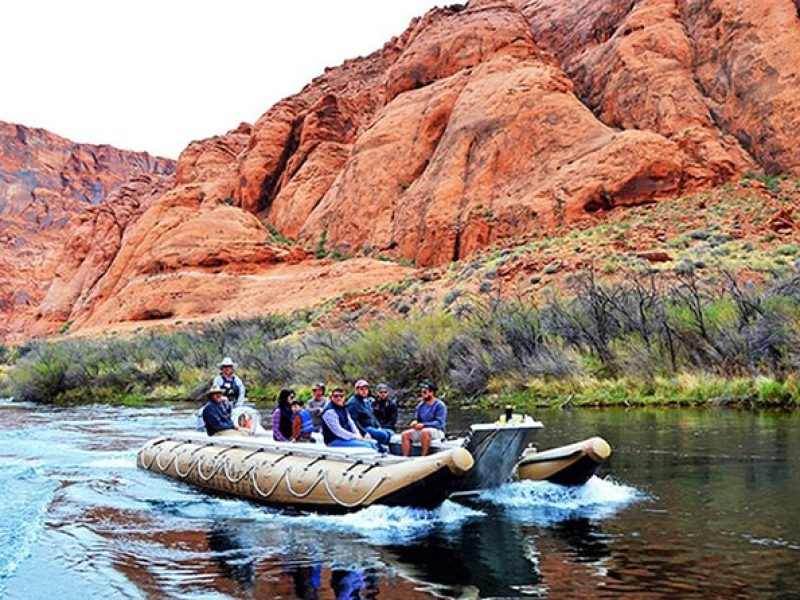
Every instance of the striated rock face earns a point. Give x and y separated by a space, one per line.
60 204
500 117
83 258
479 123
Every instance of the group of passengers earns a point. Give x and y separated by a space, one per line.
358 421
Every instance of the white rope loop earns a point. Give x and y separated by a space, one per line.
360 500
194 460
314 484
259 491
234 479
172 459
218 463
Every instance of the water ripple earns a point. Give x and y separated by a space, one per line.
22 514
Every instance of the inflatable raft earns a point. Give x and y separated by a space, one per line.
568 465
307 476
318 477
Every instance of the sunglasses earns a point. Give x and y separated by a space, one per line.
337 395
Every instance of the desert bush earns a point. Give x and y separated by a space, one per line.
468 366
400 352
95 370
643 328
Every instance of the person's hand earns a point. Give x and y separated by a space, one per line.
419 426
367 436
413 424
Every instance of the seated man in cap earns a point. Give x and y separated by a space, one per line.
429 423
359 405
338 428
217 415
232 385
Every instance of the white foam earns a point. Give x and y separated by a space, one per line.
542 501
22 513
390 524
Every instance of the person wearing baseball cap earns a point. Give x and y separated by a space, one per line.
385 407
359 405
429 423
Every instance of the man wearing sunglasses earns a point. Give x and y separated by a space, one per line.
338 428
429 423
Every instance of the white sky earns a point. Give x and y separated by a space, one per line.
156 74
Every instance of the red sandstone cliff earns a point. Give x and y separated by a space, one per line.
62 203
501 117
478 123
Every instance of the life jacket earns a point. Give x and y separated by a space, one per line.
343 415
230 387
306 423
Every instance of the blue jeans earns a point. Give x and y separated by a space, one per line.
354 444
382 436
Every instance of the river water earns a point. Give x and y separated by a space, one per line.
694 503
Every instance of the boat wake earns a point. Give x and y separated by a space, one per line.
22 513
543 503
384 525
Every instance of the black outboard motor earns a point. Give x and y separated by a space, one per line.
496 448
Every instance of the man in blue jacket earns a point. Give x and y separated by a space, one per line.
359 405
429 423
217 415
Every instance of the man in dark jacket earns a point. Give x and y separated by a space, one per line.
385 407
359 405
217 415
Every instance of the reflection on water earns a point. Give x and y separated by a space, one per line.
693 504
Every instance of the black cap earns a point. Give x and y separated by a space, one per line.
427 385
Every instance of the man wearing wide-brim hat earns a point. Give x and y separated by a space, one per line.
217 414
232 385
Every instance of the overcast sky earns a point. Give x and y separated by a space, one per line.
155 74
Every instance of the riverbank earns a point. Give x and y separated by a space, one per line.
649 339
684 391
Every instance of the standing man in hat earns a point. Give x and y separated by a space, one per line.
217 415
429 423
230 384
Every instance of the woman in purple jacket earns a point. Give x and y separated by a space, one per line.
282 417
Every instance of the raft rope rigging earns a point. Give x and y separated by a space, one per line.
221 464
